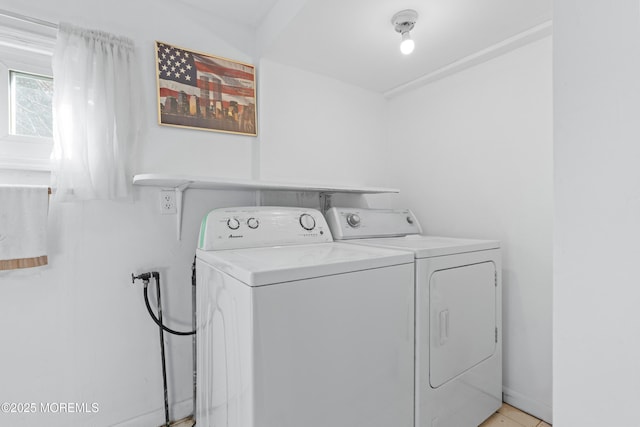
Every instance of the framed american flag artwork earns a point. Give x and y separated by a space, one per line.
201 91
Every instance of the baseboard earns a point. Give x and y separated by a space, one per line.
179 410
530 406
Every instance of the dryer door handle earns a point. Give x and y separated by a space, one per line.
444 326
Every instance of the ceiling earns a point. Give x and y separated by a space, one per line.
355 42
245 12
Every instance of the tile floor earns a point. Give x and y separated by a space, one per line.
508 416
185 422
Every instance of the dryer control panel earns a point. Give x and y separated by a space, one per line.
260 226
363 223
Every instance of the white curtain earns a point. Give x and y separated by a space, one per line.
96 106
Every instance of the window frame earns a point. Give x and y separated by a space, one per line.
30 52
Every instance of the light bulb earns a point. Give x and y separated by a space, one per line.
407 45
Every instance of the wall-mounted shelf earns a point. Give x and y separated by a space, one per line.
180 183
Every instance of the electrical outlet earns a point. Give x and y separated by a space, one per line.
167 202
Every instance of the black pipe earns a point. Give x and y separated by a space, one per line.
194 339
156 276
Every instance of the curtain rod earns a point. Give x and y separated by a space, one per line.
26 18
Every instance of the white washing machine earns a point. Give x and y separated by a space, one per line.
295 330
458 314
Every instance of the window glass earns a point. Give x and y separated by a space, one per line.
31 112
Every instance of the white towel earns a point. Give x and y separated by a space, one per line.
23 226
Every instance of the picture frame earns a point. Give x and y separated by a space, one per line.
202 91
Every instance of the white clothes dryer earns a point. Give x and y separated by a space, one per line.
296 330
458 314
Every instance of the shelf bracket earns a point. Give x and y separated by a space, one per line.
325 201
179 190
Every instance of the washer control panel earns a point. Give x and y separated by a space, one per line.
253 227
362 223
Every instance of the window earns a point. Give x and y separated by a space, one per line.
30 104
26 89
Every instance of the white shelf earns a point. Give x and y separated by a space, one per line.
213 183
180 183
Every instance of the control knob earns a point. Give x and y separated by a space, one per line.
253 223
233 223
307 222
353 220
410 220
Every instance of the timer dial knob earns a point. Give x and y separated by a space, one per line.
233 223
253 223
353 220
410 220
307 222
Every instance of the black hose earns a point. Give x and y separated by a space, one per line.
155 319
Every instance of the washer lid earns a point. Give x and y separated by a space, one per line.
269 265
430 246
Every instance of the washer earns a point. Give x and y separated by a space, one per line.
458 313
295 330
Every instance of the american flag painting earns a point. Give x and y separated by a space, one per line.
204 91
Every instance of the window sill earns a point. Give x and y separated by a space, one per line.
27 165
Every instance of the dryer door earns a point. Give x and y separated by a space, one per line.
463 319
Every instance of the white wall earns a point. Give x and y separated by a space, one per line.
597 214
472 155
317 129
77 330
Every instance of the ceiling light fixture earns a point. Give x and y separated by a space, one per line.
403 22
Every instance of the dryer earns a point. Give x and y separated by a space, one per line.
458 288
295 330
